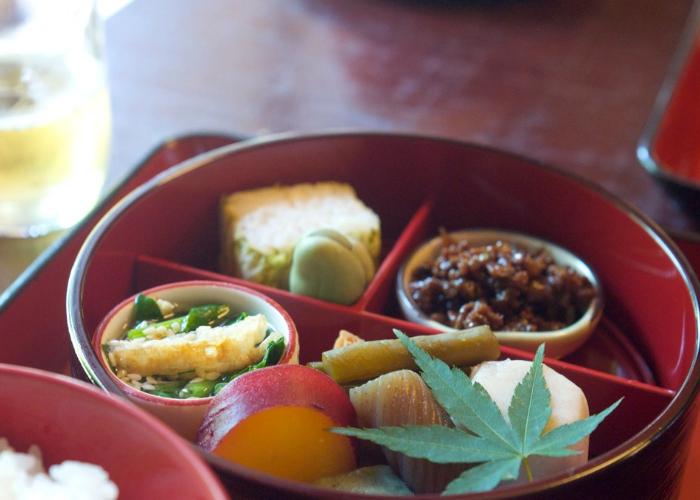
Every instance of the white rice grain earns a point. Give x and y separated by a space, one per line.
22 477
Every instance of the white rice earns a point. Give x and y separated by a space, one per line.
22 477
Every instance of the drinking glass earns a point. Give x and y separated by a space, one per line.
54 114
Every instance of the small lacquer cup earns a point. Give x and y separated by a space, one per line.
185 415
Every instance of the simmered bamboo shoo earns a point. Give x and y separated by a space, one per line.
402 398
366 360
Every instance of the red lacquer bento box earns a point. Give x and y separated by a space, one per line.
645 348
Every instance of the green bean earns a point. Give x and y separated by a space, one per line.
166 388
272 355
146 308
238 318
206 315
199 389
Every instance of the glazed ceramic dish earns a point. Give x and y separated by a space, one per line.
558 343
70 420
185 415
644 348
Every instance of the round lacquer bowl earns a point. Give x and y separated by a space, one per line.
185 415
559 342
644 348
70 420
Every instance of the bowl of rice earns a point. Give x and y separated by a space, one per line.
61 438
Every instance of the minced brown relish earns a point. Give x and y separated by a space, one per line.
500 285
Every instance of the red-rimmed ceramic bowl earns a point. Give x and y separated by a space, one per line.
558 343
185 415
417 185
70 420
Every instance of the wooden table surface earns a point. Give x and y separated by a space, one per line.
568 82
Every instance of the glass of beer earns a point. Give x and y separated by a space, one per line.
54 114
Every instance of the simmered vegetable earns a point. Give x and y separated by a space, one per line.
366 360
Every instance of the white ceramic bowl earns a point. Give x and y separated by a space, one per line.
558 342
185 415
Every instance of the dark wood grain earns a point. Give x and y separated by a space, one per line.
568 82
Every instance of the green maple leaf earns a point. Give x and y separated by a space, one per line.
482 435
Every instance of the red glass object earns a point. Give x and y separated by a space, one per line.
669 147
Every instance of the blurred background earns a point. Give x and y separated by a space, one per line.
568 82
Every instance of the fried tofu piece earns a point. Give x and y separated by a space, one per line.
206 351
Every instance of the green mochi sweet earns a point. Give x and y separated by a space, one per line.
330 266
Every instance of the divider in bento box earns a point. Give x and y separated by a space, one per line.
639 275
417 185
319 322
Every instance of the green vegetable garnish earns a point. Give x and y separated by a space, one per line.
482 435
273 353
238 318
211 315
146 308
206 315
105 350
166 388
200 389
148 316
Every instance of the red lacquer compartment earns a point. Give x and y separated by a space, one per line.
188 233
639 279
381 290
643 401
318 324
608 350
418 185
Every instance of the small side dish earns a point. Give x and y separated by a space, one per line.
317 239
23 476
527 290
438 429
445 432
172 348
192 353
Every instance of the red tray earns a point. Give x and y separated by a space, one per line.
48 278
